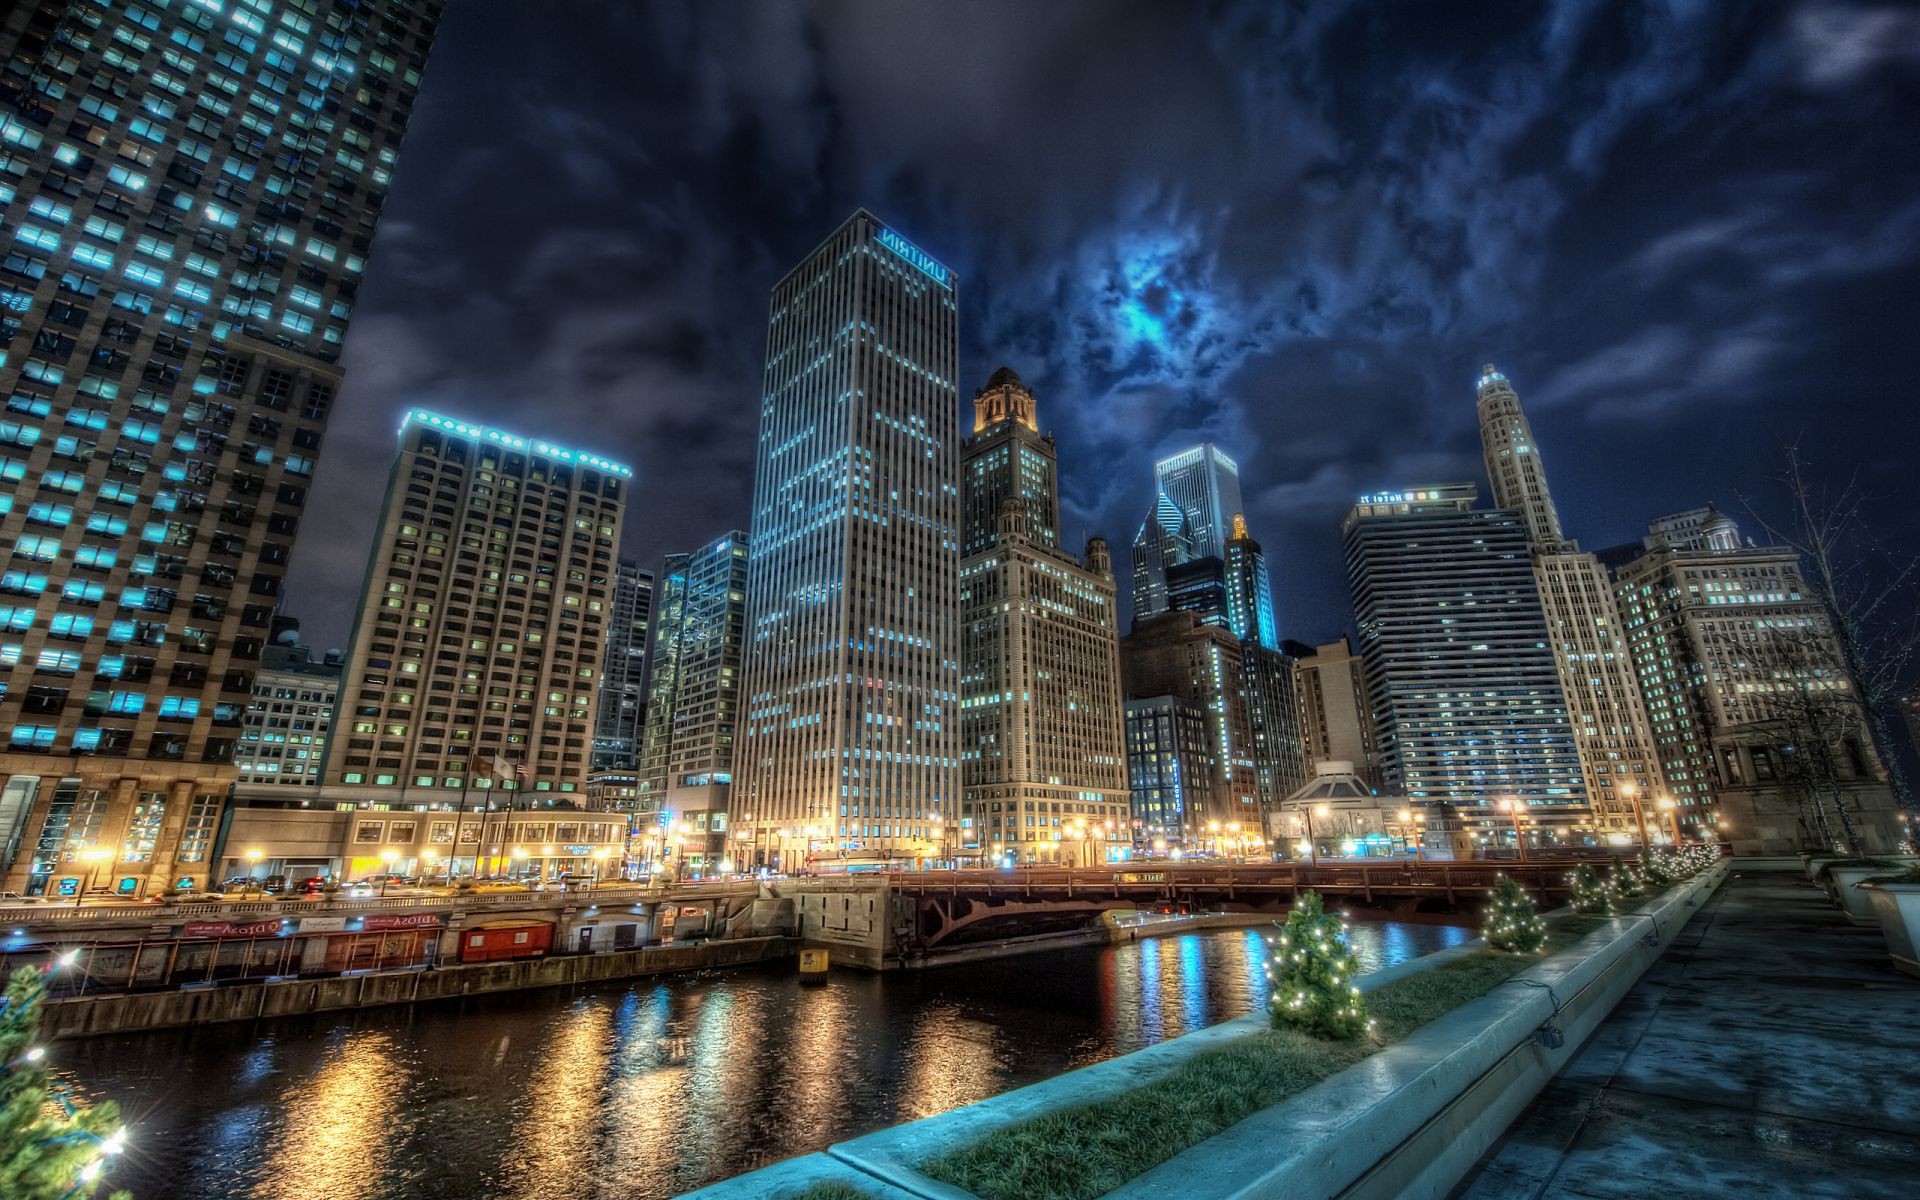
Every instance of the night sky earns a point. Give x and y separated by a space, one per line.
1685 232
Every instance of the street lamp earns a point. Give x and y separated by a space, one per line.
599 860
518 854
1631 792
429 858
1666 805
93 858
1512 808
388 857
1313 845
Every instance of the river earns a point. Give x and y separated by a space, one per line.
630 1091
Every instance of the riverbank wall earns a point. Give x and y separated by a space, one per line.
130 1012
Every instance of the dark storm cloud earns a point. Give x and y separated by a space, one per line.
1684 230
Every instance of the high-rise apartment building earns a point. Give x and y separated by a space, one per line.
1203 666
1760 733
1336 722
482 623
853 638
1618 759
1464 685
283 739
1041 724
693 703
188 198
620 700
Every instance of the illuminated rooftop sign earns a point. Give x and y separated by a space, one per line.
919 258
511 441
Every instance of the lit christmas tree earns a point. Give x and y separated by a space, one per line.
1624 881
1589 894
1312 971
42 1157
1512 924
1653 870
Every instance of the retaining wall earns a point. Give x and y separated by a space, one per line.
84 1016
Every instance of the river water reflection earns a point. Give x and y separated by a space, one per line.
648 1089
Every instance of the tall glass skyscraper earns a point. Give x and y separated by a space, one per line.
853 655
1206 485
693 705
621 699
1464 685
188 195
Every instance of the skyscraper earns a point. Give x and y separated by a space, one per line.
1162 543
1608 715
1336 722
1760 733
853 654
1464 686
1205 484
1203 666
189 201
693 704
1041 744
1249 591
620 701
478 645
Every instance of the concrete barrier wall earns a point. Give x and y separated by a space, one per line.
1406 1123
85 1016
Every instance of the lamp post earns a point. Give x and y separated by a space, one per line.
519 857
388 857
1632 794
429 859
1313 845
253 858
1512 807
599 861
1666 805
93 858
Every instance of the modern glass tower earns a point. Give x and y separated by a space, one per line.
1464 684
621 700
1249 592
853 653
1163 542
188 195
693 707
1205 484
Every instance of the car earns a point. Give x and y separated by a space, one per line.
273 885
16 898
500 886
312 885
358 891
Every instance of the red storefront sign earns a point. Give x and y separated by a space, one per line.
408 921
227 929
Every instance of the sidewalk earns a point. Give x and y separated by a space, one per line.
1772 1051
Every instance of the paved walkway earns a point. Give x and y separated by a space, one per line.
1772 1051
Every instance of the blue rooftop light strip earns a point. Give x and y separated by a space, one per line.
511 441
925 263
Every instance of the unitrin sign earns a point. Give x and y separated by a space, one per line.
925 262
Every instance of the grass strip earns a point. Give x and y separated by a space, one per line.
828 1190
1084 1152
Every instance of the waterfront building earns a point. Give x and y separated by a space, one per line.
1042 728
1464 685
1760 733
482 624
1176 654
620 700
1172 771
283 737
853 652
179 272
1336 722
1273 722
1611 729
685 782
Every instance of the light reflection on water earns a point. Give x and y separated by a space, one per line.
645 1090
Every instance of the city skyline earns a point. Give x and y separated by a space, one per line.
1572 294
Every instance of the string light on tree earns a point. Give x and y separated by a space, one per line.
50 1147
1589 894
1512 924
1625 882
1312 973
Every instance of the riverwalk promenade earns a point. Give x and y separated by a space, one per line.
1772 1051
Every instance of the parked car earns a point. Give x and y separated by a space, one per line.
312 885
17 898
273 885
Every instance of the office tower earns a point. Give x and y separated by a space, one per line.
1760 733
283 738
1464 686
1042 730
620 700
1608 715
1008 457
1172 771
1273 723
853 653
1201 665
1199 586
1205 485
1336 722
189 199
1162 543
693 703
478 644
1249 592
